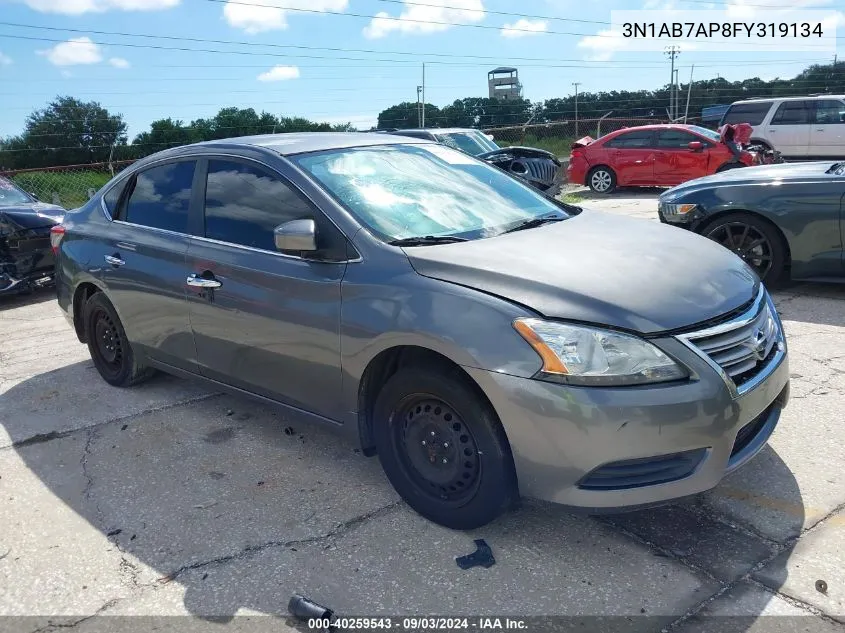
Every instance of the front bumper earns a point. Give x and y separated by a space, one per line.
604 449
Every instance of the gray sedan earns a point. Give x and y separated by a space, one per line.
485 341
784 220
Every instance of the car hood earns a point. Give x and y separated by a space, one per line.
599 268
29 216
762 174
517 151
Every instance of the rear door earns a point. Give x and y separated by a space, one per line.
631 155
789 129
675 162
142 255
272 326
827 133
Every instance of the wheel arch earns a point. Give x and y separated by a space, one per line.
81 294
710 220
386 363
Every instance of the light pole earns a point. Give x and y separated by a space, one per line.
419 111
672 52
576 84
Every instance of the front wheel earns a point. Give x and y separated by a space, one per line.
601 179
754 240
443 448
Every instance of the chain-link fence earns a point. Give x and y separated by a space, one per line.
558 136
70 186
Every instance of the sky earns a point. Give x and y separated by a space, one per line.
346 60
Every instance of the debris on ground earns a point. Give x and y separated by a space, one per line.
304 609
481 557
289 430
821 586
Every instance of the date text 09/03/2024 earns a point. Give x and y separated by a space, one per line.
430 623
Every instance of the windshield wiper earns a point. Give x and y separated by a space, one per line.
534 222
427 240
835 167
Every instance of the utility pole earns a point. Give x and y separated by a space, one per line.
676 86
689 92
576 84
422 123
672 52
419 107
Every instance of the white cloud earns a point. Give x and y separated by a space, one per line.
5 60
602 45
269 15
523 27
76 51
77 7
119 62
422 19
279 73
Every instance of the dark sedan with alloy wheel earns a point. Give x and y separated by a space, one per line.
425 304
785 221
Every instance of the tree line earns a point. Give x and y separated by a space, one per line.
653 104
72 132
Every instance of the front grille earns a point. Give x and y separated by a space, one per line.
541 169
649 471
742 346
749 432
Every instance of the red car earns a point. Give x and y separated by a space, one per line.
651 156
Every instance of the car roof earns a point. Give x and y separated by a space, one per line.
441 130
291 143
657 126
805 98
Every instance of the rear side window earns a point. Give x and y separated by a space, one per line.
830 111
751 113
631 140
243 204
160 197
112 198
792 113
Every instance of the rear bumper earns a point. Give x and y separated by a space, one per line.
606 450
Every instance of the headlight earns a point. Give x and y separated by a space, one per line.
677 209
580 355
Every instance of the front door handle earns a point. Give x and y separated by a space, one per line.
114 260
202 282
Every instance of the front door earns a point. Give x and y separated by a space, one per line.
142 260
271 323
827 134
632 157
789 129
675 162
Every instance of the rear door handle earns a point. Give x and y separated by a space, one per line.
202 282
114 260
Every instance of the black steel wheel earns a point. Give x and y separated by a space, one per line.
754 240
437 449
443 448
108 345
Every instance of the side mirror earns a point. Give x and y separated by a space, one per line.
695 146
32 194
296 235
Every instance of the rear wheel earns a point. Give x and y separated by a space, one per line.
601 179
443 448
107 343
754 240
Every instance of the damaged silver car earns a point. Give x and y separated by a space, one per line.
26 257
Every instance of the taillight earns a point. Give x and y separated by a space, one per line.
56 235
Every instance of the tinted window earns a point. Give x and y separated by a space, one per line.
112 198
829 111
669 139
631 140
161 196
243 204
792 113
10 194
751 113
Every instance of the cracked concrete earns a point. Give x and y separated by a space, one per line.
170 500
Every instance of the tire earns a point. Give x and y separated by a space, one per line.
443 448
601 179
772 252
107 343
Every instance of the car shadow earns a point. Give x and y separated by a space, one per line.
584 193
810 302
31 297
188 491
